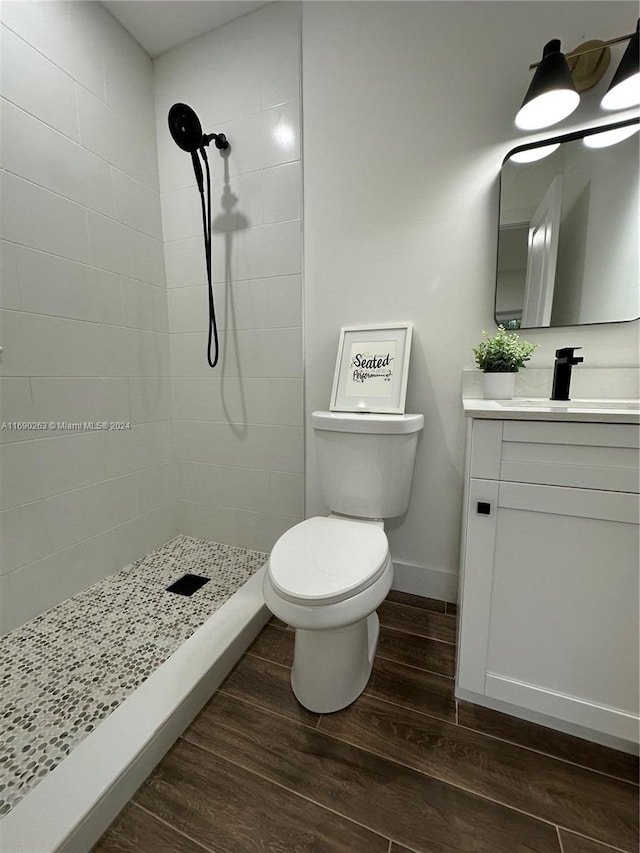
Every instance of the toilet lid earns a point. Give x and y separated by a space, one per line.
324 560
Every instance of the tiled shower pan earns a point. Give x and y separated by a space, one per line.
95 690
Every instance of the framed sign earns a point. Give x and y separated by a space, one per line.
372 369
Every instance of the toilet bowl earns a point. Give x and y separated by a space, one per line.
331 604
327 575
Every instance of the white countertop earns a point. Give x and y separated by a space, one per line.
540 409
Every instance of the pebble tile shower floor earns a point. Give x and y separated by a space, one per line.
66 670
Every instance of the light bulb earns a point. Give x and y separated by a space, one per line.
624 95
547 109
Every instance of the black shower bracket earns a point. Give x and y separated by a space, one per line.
220 140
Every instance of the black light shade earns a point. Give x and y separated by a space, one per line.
624 89
552 94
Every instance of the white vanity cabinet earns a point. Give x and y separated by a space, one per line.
549 603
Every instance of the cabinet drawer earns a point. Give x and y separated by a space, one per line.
584 456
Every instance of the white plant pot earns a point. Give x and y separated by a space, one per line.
498 386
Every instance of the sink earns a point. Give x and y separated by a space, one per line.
540 403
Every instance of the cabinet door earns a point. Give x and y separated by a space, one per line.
550 603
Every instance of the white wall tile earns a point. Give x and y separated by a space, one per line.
32 589
115 348
249 446
142 446
284 297
124 140
24 536
63 288
279 53
282 188
128 69
61 36
283 405
238 201
145 306
189 355
235 400
261 532
155 487
185 262
182 213
36 217
239 305
120 249
145 533
268 250
243 303
47 158
48 466
29 80
215 523
76 400
264 139
286 494
151 398
221 485
16 405
174 165
286 448
136 205
150 354
36 345
188 309
9 288
269 353
80 514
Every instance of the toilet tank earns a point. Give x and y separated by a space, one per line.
365 461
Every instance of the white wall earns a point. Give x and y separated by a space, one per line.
408 112
239 437
84 322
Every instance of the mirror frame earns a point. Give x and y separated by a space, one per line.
565 137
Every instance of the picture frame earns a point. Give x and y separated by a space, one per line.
372 368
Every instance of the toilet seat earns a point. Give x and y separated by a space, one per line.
326 560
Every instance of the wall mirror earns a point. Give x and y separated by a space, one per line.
568 233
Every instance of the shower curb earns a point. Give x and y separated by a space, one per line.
72 806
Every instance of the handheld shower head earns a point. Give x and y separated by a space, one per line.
185 127
186 130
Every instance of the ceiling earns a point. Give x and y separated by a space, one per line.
159 25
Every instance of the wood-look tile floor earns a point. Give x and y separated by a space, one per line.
405 768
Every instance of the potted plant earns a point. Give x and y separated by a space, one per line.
500 357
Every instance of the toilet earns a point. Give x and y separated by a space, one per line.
327 575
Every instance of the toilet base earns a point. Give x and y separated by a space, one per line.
331 667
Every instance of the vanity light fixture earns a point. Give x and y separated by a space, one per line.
554 92
530 155
624 89
609 137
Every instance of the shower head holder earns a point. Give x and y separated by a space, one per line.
220 140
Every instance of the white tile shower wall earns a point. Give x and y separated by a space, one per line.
400 218
84 322
239 437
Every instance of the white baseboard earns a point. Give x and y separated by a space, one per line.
425 580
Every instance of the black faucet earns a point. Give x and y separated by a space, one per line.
565 360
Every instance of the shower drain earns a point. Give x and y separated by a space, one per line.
188 584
